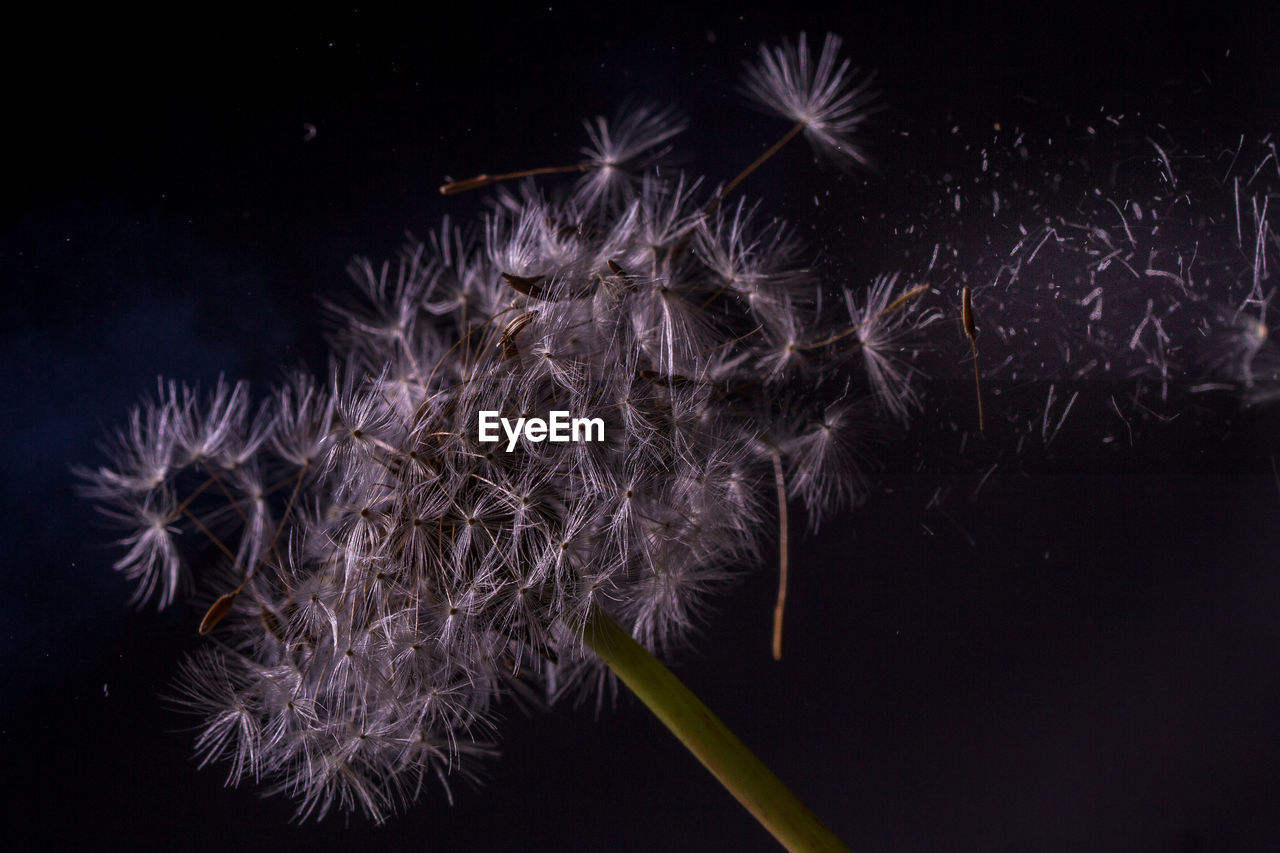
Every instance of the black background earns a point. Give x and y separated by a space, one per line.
1081 657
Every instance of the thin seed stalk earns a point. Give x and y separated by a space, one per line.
746 777
755 164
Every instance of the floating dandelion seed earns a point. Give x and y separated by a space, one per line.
828 101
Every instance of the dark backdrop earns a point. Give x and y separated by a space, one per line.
1081 657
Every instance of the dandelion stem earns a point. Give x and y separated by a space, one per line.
780 608
486 180
702 732
756 164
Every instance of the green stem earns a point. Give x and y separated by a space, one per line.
702 732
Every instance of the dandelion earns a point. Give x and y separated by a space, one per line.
395 575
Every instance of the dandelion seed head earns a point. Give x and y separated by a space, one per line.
394 575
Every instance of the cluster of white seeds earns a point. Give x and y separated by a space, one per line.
384 574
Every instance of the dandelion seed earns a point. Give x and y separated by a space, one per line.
828 100
512 329
971 331
621 152
885 327
218 611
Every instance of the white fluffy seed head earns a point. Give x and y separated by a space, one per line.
399 574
